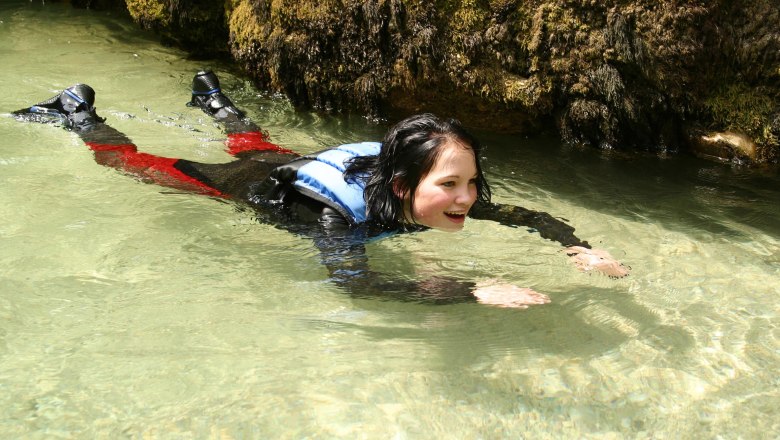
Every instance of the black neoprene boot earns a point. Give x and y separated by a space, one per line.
73 106
207 95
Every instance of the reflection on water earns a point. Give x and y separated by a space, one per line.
712 197
129 310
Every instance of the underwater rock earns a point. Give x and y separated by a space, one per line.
725 146
609 74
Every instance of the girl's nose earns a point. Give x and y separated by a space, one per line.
466 196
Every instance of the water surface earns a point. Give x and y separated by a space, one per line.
130 310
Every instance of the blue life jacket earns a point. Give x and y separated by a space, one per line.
321 177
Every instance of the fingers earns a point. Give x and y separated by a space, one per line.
533 297
587 260
574 250
507 295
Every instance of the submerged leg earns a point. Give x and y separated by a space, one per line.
243 137
257 157
113 149
74 108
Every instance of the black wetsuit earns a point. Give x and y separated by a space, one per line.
342 246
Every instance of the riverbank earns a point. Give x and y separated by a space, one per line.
652 76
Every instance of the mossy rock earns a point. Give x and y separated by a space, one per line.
610 74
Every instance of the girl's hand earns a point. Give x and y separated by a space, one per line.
587 260
508 295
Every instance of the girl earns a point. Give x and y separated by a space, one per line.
426 173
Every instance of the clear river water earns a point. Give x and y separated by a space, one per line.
128 310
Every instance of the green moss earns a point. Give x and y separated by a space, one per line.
738 107
305 13
496 85
244 26
146 11
470 15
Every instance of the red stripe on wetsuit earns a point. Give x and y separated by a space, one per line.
252 141
163 171
159 170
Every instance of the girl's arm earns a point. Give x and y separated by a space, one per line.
546 225
345 257
582 255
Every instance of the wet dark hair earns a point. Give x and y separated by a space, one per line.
409 150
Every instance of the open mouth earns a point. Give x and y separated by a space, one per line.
457 216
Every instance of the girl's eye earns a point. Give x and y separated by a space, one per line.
449 184
473 182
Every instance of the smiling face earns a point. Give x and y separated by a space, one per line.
444 195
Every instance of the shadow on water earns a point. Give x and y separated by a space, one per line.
109 26
681 192
584 324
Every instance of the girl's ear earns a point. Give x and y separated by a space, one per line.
398 190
